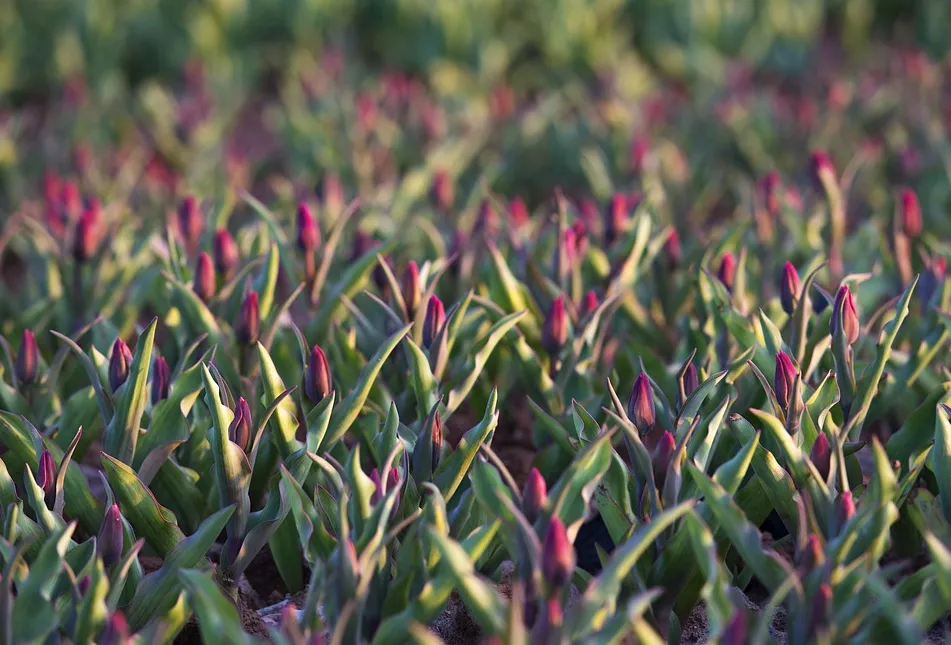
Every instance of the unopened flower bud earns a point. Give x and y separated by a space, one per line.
812 556
161 380
239 432
83 585
640 148
845 507
660 460
190 223
317 380
72 200
308 234
434 320
784 379
86 236
616 219
580 242
46 472
690 381
249 319
672 250
771 188
518 213
110 540
442 192
727 271
558 556
790 288
116 630
555 331
845 319
736 630
226 252
821 455
203 283
488 221
821 608
821 168
28 358
534 496
911 223
640 407
411 289
119 362
590 304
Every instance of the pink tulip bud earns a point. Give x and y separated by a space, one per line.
225 252
821 168
46 472
110 540
821 607
558 556
789 288
555 331
534 496
249 320
119 362
434 321
317 381
190 223
411 289
115 631
911 223
727 271
590 304
845 507
308 235
161 378
821 455
86 236
660 460
239 432
784 379
28 358
771 187
812 555
640 407
618 214
672 250
203 283
518 213
640 148
845 319
71 200
736 630
443 194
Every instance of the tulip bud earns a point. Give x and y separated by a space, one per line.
672 250
640 407
110 540
821 455
590 304
317 380
689 382
239 432
442 192
789 288
821 607
661 458
203 282
383 487
83 585
821 168
249 319
488 220
638 154
411 290
534 496
812 555
518 213
116 630
434 321
308 234
190 223
558 556
361 245
784 379
161 378
46 472
580 242
845 319
225 252
771 187
736 630
727 271
379 275
426 454
72 201
911 223
28 358
119 362
845 507
52 188
555 331
616 219
85 240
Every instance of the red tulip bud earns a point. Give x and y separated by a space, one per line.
308 234
727 271
249 320
534 496
845 319
845 507
580 242
640 148
225 251
784 379
518 213
558 556
71 200
28 358
910 213
110 541
821 607
411 289
812 555
771 186
672 250
119 362
821 168
190 223
434 321
616 219
46 472
116 630
590 304
789 288
52 188
86 236
660 460
161 377
640 407
555 331
442 193
317 381
203 282
239 432
821 455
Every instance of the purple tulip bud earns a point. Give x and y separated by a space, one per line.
845 318
85 240
411 289
911 223
640 407
790 288
821 607
225 252
660 460
249 320
110 540
784 379
518 213
616 219
239 432
736 629
119 362
442 192
555 331
317 381
362 243
379 275
161 380
28 358
203 283
590 304
46 472
821 455
727 271
83 585
534 496
821 168
190 223
690 381
672 250
434 321
116 630
771 185
558 556
308 234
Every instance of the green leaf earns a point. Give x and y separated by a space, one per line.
218 619
483 349
33 611
284 421
453 468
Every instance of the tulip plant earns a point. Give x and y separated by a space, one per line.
670 392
